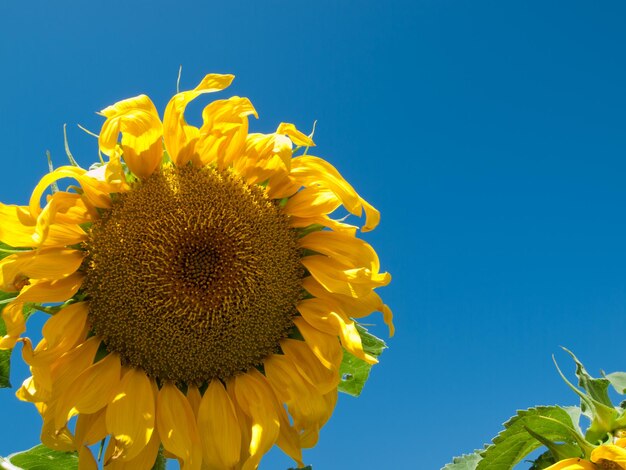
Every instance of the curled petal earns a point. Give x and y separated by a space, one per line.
180 138
314 171
47 263
324 345
305 403
138 121
309 365
20 229
61 333
61 440
349 251
332 320
223 135
610 453
295 135
96 192
57 290
358 307
91 391
334 276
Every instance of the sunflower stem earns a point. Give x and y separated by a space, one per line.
161 462
48 310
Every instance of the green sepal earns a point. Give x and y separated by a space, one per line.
595 403
560 451
353 371
464 462
42 458
543 461
308 467
515 442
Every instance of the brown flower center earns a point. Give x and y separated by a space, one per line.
193 275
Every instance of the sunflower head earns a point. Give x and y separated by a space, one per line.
203 294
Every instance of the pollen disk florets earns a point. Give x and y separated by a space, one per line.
193 275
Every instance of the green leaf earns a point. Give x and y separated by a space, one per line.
42 458
515 442
464 462
597 389
308 467
354 372
594 403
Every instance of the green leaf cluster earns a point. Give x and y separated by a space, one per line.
555 429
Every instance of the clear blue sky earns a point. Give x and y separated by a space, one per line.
490 134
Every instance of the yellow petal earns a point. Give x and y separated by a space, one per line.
289 438
95 191
223 134
325 346
71 364
573 464
305 403
86 460
310 436
138 121
91 428
257 400
177 427
17 227
335 277
330 319
39 291
324 221
130 417
310 366
65 209
180 137
314 171
61 333
47 263
311 202
349 251
90 391
219 428
358 307
295 135
611 453
144 461
194 398
61 440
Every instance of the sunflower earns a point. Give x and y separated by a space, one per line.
201 294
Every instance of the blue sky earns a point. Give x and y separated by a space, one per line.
490 134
